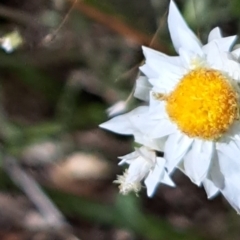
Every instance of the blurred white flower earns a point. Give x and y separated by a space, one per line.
143 165
11 41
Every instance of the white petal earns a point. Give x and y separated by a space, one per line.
137 170
226 43
231 192
122 124
158 126
229 167
151 53
214 56
182 36
167 180
142 89
157 108
154 177
215 174
229 149
143 123
128 158
148 71
214 34
236 53
165 82
232 68
197 160
162 128
186 57
156 144
164 68
234 131
147 154
119 124
210 188
176 147
117 108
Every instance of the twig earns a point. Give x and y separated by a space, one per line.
29 186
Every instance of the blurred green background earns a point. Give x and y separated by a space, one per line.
78 58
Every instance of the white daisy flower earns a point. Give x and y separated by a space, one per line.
193 113
143 165
195 100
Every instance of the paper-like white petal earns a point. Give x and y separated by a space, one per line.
128 158
147 154
210 188
214 34
231 192
143 87
148 71
197 160
214 56
236 53
230 168
119 124
215 173
225 43
186 58
151 53
157 108
152 128
156 144
176 147
154 177
232 68
117 108
233 132
165 82
182 36
138 169
164 68
122 124
167 180
229 149
162 128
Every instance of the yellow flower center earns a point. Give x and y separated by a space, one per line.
203 104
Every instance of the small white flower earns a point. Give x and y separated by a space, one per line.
143 165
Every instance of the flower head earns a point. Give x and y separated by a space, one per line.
193 112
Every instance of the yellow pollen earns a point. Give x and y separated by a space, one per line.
203 104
